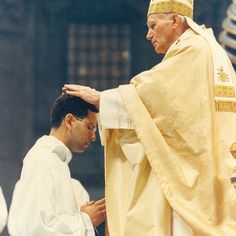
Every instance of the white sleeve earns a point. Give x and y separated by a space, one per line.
3 211
112 111
81 194
34 209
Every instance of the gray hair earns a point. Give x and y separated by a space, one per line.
168 16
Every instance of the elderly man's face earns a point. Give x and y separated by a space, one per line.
160 32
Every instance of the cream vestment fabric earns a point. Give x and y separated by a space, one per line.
112 104
45 200
178 155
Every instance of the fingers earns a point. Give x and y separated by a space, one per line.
99 217
76 90
75 87
101 201
96 211
73 93
100 205
100 208
86 93
103 214
72 86
90 203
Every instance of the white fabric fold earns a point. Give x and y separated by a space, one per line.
113 115
44 202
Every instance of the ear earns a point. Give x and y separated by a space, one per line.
176 20
68 120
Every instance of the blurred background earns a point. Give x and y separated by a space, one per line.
46 43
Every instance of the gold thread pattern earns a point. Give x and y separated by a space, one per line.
170 7
224 91
223 106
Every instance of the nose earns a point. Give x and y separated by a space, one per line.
149 35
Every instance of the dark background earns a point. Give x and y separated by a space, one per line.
34 66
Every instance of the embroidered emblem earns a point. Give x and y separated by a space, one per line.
223 77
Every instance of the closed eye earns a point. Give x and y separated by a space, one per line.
151 25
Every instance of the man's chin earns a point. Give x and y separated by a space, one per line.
79 150
159 51
82 149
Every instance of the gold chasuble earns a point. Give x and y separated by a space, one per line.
177 156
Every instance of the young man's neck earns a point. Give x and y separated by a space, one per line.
59 134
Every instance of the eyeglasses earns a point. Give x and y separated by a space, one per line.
91 128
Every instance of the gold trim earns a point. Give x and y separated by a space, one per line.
224 91
225 106
170 7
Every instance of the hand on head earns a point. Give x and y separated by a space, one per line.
86 93
96 211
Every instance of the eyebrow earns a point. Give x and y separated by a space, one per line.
150 22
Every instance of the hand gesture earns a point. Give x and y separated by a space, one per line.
86 93
96 211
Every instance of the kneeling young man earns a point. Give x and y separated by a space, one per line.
44 200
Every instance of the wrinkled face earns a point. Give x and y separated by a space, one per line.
82 132
160 32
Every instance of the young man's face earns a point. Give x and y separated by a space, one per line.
160 32
82 132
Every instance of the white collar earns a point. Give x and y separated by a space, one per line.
56 146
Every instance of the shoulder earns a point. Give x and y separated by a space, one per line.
197 43
40 159
190 42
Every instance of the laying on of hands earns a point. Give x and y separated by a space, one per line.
88 94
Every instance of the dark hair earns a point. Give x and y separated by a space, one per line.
65 104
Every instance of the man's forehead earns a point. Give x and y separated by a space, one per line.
154 17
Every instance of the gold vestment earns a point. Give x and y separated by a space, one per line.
178 155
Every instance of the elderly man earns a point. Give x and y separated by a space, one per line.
45 200
168 134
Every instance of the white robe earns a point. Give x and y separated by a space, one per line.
44 201
3 211
81 194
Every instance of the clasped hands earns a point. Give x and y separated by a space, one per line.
96 211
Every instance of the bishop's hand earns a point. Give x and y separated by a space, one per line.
86 93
